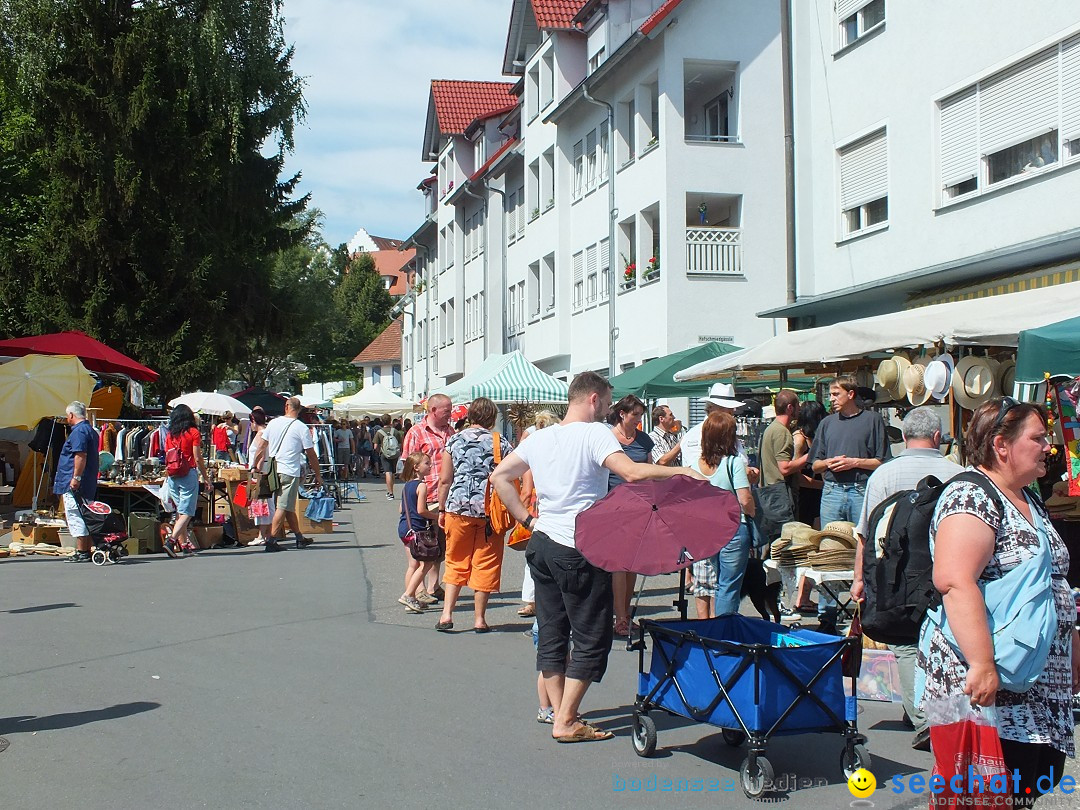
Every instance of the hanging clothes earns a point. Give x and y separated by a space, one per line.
121 440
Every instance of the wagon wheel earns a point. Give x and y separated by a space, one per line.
99 557
733 737
755 774
644 735
854 757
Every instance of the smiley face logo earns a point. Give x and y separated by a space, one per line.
862 784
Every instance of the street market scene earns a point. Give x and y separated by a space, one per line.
706 431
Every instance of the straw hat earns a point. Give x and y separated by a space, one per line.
916 389
1007 375
840 530
897 390
723 394
975 381
887 373
803 536
788 530
938 376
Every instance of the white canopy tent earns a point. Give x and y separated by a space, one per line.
373 400
993 321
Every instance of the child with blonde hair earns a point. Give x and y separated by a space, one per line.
415 516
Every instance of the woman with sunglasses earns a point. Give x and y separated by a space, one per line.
975 540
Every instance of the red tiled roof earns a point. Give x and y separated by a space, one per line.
394 263
385 243
459 103
387 346
556 13
658 16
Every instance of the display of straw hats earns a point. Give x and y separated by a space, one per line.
797 541
1007 377
890 376
974 381
914 384
841 531
938 376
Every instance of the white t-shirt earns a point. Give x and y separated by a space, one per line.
567 463
294 438
691 448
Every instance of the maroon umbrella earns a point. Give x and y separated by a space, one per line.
657 527
94 354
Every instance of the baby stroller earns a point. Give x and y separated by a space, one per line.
107 528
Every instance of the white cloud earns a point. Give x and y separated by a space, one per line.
368 66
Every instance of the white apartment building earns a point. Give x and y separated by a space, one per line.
937 152
641 138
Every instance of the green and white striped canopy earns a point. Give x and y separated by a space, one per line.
518 380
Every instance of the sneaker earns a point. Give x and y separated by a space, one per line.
424 598
412 605
170 548
79 556
389 496
921 740
403 600
545 715
258 541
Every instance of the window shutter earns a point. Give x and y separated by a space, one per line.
1070 88
845 8
578 278
1019 103
578 152
864 175
605 266
959 138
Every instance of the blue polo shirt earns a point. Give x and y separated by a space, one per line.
82 439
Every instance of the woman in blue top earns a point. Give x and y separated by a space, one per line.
720 577
415 516
624 419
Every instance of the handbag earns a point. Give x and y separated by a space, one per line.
1020 612
851 659
423 544
499 518
273 480
518 538
774 508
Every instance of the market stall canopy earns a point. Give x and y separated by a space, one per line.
36 386
518 380
314 402
211 403
993 321
373 400
1053 349
656 378
461 390
94 354
273 404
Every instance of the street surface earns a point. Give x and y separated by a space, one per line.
243 679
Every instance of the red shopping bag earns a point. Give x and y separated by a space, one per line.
240 497
968 747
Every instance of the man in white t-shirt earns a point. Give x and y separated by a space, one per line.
288 440
570 464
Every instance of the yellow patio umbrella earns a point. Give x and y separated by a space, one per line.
40 385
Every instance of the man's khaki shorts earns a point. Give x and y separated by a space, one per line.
290 488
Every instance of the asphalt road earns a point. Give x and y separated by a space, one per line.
243 679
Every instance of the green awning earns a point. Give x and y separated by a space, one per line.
1053 349
654 379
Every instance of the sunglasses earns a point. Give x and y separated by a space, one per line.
1007 404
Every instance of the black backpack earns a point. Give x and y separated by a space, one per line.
899 587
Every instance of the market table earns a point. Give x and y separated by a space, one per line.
823 581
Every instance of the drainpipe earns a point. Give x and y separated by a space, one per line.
613 212
789 145
487 242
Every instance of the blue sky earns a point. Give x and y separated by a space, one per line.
368 65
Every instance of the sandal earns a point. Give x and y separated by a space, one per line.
622 627
586 733
528 611
444 627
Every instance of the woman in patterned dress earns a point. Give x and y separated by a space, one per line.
972 541
473 554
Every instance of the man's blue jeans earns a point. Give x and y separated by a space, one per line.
838 502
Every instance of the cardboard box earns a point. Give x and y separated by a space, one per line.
208 536
29 534
310 527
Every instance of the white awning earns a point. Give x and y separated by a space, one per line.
993 321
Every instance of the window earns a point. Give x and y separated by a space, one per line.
547 79
532 93
480 314
858 18
549 283
653 95
534 189
605 267
521 210
451 322
521 305
450 245
1019 122
590 274
710 104
579 169
590 160
596 60
395 376
478 150
631 129
579 279
864 184
534 289
512 312
547 179
605 145
376 374
716 119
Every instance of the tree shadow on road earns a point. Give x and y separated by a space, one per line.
30 723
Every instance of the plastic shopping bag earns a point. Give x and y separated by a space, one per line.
967 754
240 498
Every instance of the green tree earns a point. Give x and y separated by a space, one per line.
362 304
154 135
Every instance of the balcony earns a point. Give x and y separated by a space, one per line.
712 251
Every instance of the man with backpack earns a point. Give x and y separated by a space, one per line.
882 528
388 446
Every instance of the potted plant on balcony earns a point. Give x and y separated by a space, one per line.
629 276
652 270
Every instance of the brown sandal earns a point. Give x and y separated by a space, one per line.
586 733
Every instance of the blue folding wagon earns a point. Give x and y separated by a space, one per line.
754 680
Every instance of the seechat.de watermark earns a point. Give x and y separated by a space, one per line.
781 783
1006 784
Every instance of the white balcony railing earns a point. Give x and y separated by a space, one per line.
714 251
